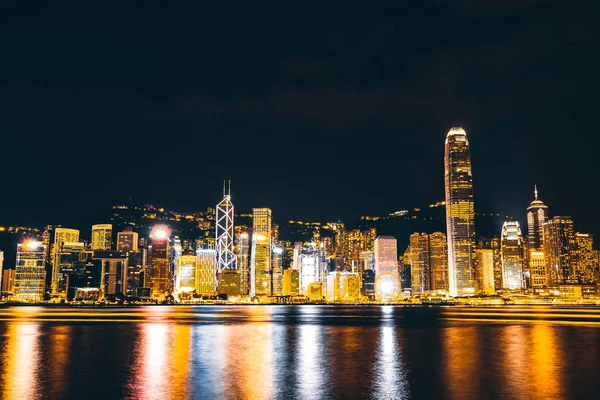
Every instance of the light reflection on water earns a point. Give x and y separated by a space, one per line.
297 352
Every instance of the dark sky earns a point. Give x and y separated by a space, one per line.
317 111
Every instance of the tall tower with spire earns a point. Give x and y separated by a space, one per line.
537 214
460 214
226 259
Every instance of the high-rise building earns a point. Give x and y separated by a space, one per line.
277 270
260 263
1 265
206 271
438 260
30 272
368 283
309 267
127 240
559 249
333 285
485 263
113 272
460 214
8 281
159 273
185 281
419 262
586 258
291 282
224 228
243 262
101 237
511 247
386 255
537 214
229 283
349 286
136 271
537 269
61 236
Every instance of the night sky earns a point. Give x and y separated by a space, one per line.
317 111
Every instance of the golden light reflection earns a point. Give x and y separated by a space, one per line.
153 356
543 365
460 355
390 375
20 373
514 347
309 363
59 338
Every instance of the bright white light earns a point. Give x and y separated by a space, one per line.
159 234
387 287
32 245
278 250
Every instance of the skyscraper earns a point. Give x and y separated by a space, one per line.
226 259
101 237
460 214
386 255
260 263
485 263
309 267
159 273
206 272
511 247
61 236
586 260
559 249
186 275
438 260
30 272
419 262
537 214
277 270
243 262
127 240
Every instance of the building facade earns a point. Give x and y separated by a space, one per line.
511 248
160 279
101 237
559 249
260 262
30 272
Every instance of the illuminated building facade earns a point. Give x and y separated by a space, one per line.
8 281
349 286
30 272
333 285
136 271
586 258
229 283
226 259
291 281
438 260
386 255
315 291
485 263
511 247
260 262
537 269
368 283
559 249
419 263
277 268
206 278
69 255
387 286
186 274
537 214
460 214
243 262
308 267
101 237
127 240
61 235
113 272
159 272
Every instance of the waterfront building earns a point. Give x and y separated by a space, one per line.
460 214
368 283
438 261
386 255
8 281
277 268
160 278
511 247
229 283
101 237
315 291
61 236
185 275
537 215
224 229
136 271
419 263
387 286
127 240
333 285
113 272
291 282
206 280
308 267
537 269
485 263
260 261
349 286
243 261
30 272
586 258
559 249
69 255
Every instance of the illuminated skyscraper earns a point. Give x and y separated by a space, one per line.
186 274
30 272
243 262
537 269
159 274
485 263
511 247
460 214
61 236
559 249
127 240
438 260
586 261
386 255
101 237
206 278
537 214
419 262
260 263
224 233
277 268
309 267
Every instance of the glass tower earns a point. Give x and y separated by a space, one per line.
101 237
512 255
460 214
30 272
260 262
537 214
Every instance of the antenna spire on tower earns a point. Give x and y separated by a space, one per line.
535 192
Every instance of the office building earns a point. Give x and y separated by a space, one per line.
559 249
511 248
226 259
485 264
30 272
386 255
114 268
8 281
537 270
537 215
460 214
229 283
260 262
185 275
315 291
101 237
419 263
438 261
308 267
136 271
277 270
291 282
127 240
586 258
159 272
349 286
243 262
206 281
61 236
333 285
368 283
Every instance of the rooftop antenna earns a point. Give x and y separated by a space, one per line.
535 192
223 188
229 189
